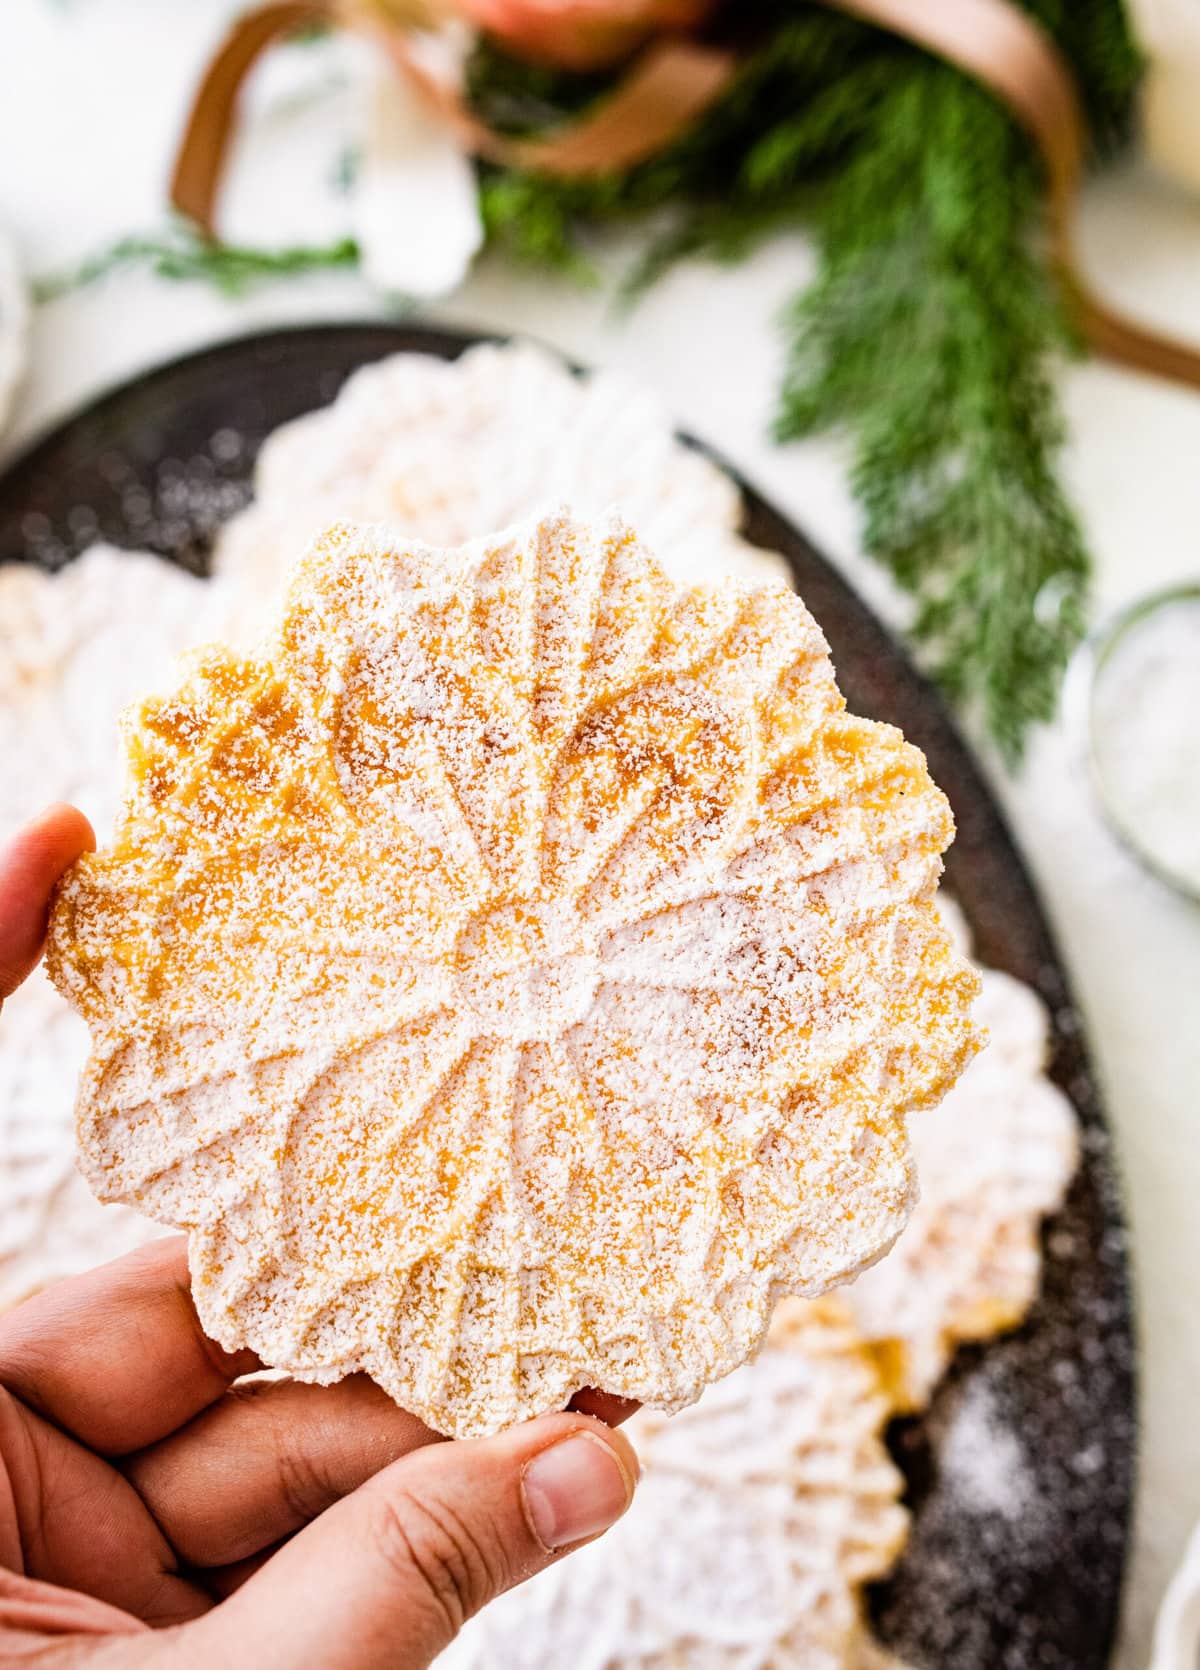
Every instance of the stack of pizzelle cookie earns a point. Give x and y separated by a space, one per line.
970 1251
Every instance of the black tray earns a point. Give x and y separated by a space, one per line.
161 462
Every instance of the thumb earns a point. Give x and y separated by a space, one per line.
386 1578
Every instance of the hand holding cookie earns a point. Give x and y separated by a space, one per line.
156 1509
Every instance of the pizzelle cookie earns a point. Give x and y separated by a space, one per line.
440 449
762 1511
994 1158
516 976
76 645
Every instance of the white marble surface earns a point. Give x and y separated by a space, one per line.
90 95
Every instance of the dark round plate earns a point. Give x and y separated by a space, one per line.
1017 1551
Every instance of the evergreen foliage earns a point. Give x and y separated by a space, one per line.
183 255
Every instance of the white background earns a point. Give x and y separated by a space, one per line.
91 94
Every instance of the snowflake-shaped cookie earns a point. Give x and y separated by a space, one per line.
443 449
75 647
994 1158
761 1512
517 976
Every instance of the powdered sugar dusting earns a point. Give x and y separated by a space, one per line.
620 929
76 647
444 450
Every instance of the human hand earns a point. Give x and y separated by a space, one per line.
154 1513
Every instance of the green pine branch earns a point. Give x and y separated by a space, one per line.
928 338
184 256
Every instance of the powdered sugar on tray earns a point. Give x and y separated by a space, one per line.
981 1458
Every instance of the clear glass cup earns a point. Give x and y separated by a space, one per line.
1133 698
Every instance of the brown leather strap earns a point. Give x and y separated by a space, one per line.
200 161
669 87
665 91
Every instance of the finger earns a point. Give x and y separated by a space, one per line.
118 1356
30 865
80 1525
385 1579
266 1459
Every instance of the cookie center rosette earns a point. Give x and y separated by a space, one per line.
516 976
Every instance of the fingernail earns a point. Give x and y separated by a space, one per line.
575 1489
